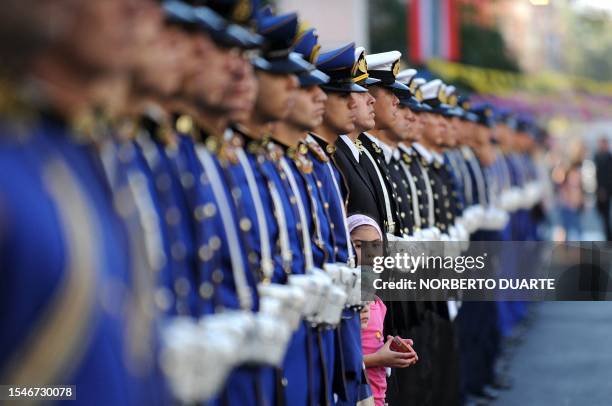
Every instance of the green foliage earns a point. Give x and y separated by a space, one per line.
485 47
387 25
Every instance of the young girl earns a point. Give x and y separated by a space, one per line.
378 356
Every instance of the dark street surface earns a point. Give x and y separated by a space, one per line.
565 357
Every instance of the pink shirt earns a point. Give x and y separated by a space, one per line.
372 339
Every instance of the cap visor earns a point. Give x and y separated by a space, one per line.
314 77
370 81
397 86
343 87
293 63
244 38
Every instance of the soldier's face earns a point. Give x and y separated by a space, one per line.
309 108
364 111
433 129
101 37
241 93
276 97
401 125
243 96
209 73
416 133
162 57
340 111
385 107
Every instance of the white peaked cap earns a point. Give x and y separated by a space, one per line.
418 82
359 51
450 89
406 75
431 89
383 61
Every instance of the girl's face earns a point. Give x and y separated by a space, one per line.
364 315
361 234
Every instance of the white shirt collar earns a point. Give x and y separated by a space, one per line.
387 150
351 146
373 139
438 157
425 153
405 148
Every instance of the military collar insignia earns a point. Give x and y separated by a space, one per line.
317 151
274 151
330 149
359 145
300 159
407 158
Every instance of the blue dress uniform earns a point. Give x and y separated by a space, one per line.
347 373
71 326
155 145
287 256
224 279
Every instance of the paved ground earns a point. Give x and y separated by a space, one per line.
565 358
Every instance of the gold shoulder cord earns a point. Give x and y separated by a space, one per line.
57 343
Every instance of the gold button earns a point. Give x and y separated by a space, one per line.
187 180
217 276
245 224
206 290
204 253
181 286
214 242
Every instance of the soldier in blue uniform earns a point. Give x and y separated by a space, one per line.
331 185
85 321
274 246
225 280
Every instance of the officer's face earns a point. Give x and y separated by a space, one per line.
433 130
308 111
241 94
208 75
276 97
364 111
100 37
416 131
451 134
401 125
385 107
340 112
162 53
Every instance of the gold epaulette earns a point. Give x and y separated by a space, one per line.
299 157
274 152
406 158
317 151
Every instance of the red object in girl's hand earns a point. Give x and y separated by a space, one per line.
399 346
